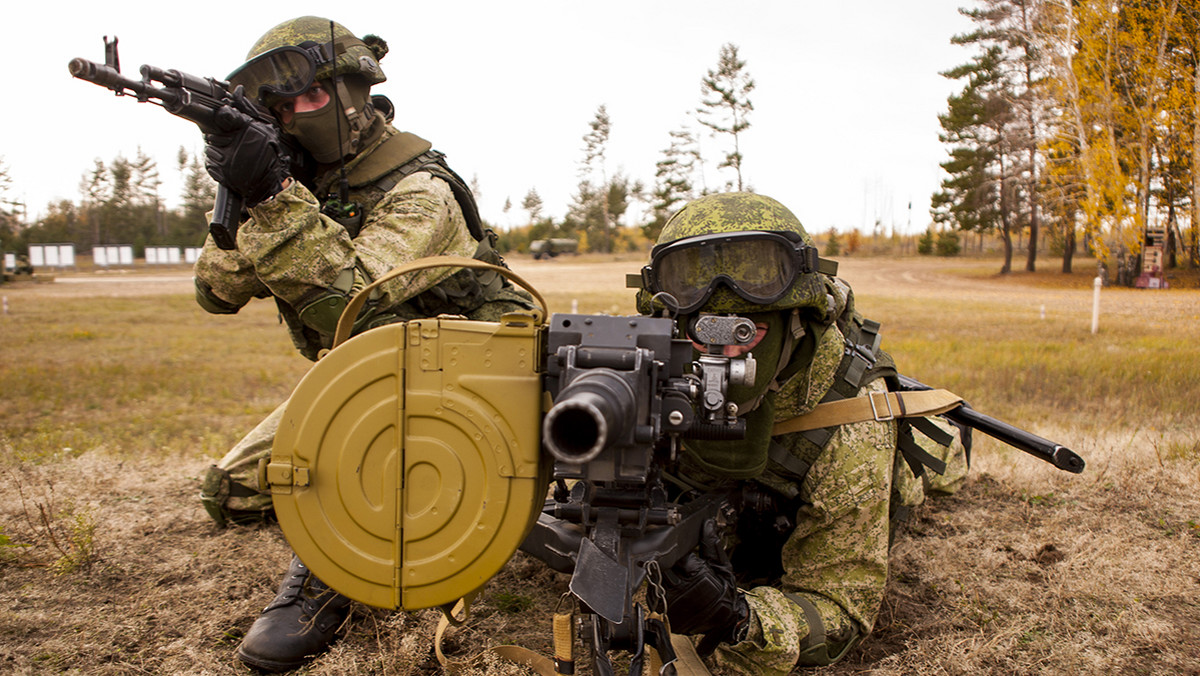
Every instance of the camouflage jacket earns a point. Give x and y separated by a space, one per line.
291 251
815 566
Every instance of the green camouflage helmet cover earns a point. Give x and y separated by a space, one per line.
741 212
355 57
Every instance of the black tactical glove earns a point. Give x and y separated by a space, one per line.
246 155
702 594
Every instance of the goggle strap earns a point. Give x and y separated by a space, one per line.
826 266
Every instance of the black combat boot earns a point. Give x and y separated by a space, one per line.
299 623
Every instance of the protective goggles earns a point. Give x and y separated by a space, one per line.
759 266
281 73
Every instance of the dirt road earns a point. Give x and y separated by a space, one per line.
910 277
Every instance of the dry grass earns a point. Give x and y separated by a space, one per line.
115 396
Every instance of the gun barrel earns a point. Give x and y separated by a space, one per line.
593 410
110 78
100 74
1056 454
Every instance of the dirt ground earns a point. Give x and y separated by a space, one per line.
1025 571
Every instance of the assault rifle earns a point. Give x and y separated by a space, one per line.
193 98
626 392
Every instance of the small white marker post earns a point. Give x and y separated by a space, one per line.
1096 284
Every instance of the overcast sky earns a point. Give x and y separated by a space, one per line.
844 130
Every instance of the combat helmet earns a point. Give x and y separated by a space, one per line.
734 253
291 57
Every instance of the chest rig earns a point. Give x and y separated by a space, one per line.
397 157
769 504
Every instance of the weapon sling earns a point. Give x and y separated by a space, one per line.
879 406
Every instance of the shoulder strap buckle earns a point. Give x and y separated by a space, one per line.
891 415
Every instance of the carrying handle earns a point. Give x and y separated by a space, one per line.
346 321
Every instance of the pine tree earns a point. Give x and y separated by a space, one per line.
199 193
925 243
96 188
673 180
833 244
1008 33
532 204
149 224
979 192
592 208
1012 27
726 105
9 225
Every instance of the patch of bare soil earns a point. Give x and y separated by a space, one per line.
1096 580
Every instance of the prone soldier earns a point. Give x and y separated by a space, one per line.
801 579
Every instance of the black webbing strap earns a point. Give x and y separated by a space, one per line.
916 457
814 649
434 162
812 617
927 427
789 462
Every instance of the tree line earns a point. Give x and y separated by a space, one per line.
596 213
1078 120
120 201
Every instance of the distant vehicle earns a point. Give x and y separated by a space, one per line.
549 248
22 271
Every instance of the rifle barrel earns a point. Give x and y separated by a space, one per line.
1039 447
1056 454
110 78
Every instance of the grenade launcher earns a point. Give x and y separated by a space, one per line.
414 459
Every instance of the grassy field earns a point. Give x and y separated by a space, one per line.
117 391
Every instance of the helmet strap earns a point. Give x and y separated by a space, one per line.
358 119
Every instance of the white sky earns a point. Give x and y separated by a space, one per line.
844 129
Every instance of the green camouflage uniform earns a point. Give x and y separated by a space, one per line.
835 561
290 251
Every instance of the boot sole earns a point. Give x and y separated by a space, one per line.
271 665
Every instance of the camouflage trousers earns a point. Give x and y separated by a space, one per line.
230 491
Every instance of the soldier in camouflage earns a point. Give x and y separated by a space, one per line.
801 579
368 198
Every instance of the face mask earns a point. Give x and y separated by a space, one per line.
318 130
746 458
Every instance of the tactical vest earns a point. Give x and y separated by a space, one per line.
397 157
768 505
863 362
394 159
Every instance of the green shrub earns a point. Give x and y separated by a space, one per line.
925 243
947 243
